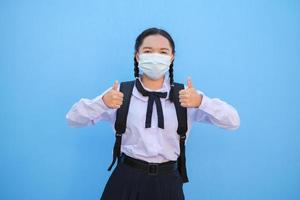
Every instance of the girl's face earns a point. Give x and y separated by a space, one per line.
155 44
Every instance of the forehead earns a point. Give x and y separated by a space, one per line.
156 41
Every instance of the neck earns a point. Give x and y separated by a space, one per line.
152 84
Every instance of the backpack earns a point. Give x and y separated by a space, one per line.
121 119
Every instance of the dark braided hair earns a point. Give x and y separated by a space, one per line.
138 42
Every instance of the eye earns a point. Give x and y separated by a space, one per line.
147 51
163 52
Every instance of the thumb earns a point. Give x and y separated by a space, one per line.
189 82
116 84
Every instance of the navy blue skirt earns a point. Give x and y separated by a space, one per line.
128 183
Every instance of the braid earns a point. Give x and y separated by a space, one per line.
171 76
136 68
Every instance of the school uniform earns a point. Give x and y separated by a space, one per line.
150 142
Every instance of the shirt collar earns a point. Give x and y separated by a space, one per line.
165 88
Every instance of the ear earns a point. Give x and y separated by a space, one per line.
172 57
137 56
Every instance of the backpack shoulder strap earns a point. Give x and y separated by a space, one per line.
121 119
181 113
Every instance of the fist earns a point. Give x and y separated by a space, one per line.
189 97
113 98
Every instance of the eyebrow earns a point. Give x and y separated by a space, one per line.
160 48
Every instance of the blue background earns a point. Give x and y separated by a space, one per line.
55 52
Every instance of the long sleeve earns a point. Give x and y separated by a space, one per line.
216 112
89 111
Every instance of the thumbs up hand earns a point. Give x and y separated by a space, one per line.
113 98
189 97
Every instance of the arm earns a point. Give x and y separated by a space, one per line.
215 111
89 111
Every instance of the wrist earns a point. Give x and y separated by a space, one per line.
199 100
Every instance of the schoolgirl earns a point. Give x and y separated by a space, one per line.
152 116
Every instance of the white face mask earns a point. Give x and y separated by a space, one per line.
154 65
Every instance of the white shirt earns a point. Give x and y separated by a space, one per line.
152 144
